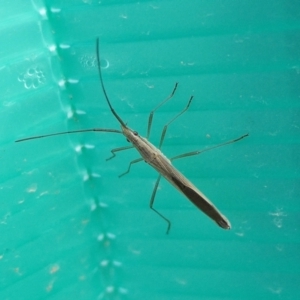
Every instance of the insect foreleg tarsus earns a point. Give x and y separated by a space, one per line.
152 202
131 163
113 151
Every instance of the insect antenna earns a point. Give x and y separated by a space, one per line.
86 130
103 88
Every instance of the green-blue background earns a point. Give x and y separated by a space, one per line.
70 228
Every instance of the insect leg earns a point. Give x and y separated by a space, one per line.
152 202
172 120
208 149
131 163
157 107
117 150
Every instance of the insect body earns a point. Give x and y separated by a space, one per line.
154 157
163 166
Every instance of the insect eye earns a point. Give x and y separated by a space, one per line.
135 133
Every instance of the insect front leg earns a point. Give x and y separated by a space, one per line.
152 202
131 163
117 150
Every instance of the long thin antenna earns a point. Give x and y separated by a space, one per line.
103 88
68 132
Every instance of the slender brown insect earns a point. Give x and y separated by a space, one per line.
154 157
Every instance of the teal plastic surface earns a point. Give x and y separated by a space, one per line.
70 228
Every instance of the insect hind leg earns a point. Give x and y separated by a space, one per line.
208 149
156 211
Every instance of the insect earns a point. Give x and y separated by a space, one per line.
155 158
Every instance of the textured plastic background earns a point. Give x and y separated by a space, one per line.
70 228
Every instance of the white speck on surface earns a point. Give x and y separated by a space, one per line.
32 188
